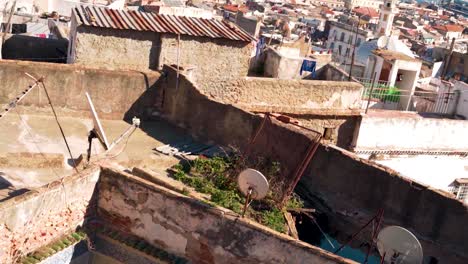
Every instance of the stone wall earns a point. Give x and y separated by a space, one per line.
214 61
411 132
266 94
199 232
114 93
115 49
337 179
38 217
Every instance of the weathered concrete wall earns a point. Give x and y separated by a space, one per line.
338 179
111 49
114 93
38 217
21 47
288 95
214 61
197 231
411 132
281 67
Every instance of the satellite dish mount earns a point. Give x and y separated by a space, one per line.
98 131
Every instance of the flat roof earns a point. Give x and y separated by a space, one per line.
392 55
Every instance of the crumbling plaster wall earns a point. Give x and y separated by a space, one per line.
114 93
338 179
38 217
214 60
196 231
288 95
115 49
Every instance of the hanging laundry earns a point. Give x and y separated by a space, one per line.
260 46
308 66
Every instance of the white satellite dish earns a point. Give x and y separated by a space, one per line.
382 42
253 185
97 124
398 245
253 182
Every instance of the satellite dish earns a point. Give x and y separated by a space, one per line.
382 42
398 245
97 124
253 182
253 185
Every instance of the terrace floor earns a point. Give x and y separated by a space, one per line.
45 156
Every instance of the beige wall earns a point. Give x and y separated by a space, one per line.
290 96
116 49
114 93
215 61
196 231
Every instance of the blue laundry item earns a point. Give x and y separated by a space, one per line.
308 66
260 46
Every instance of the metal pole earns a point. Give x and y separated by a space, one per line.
354 50
448 59
247 201
357 233
178 60
8 27
371 90
375 232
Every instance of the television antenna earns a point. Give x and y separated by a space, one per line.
253 185
382 42
98 132
398 245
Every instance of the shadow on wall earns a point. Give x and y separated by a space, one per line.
21 47
148 101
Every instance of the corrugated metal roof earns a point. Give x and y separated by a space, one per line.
102 17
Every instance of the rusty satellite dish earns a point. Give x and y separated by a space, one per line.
398 245
252 183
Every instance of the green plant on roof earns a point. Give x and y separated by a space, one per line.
217 177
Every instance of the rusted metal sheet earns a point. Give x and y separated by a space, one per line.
142 21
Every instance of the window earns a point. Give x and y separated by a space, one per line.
350 40
343 35
460 191
358 42
339 50
385 17
347 52
463 192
